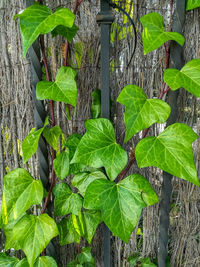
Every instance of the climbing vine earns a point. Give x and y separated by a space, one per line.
101 191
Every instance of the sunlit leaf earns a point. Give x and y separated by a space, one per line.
171 151
67 232
61 165
7 261
85 256
44 261
52 136
192 4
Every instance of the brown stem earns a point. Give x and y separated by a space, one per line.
79 248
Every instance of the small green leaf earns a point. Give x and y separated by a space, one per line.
20 192
72 143
52 136
67 232
63 89
85 256
86 223
31 234
74 264
66 201
120 204
146 262
44 261
98 148
7 261
66 32
61 165
82 180
96 104
141 112
171 151
38 19
30 143
192 4
154 35
188 77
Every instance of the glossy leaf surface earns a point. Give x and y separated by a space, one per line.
86 223
66 32
63 89
154 35
188 77
44 261
171 151
30 143
82 180
38 19
61 165
66 201
52 136
120 204
67 232
7 261
140 112
31 234
192 4
20 192
98 148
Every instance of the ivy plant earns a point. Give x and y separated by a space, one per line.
99 190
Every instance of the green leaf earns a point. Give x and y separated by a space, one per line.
154 35
38 19
63 89
44 261
7 261
52 136
192 4
61 165
82 180
96 104
20 192
66 201
171 151
30 143
74 264
85 256
120 204
86 223
67 232
66 32
98 148
188 77
31 234
146 262
141 112
72 143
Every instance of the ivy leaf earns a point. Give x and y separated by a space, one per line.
52 136
82 180
141 112
96 104
20 192
171 151
44 261
67 232
7 261
63 89
154 35
98 148
38 19
66 201
120 204
85 256
72 143
86 223
30 143
61 165
192 4
188 77
32 234
66 32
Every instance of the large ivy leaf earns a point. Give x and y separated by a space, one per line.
192 4
7 261
20 192
120 204
52 136
154 35
86 223
67 232
63 89
66 32
66 201
61 165
31 234
30 143
82 180
38 19
44 261
98 148
141 112
188 77
171 151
